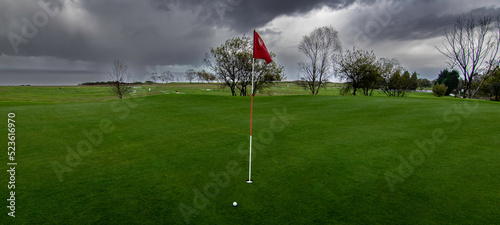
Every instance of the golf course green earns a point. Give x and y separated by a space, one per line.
178 154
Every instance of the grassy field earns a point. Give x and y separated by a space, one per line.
35 94
167 157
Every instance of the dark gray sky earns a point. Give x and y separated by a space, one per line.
74 41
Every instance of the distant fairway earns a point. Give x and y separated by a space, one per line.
318 159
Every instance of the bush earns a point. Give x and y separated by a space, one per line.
450 79
439 90
346 89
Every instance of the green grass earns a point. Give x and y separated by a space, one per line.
326 165
22 95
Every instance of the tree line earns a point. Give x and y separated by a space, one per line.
201 76
450 82
471 48
164 77
360 70
363 71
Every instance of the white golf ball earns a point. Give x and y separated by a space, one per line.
235 204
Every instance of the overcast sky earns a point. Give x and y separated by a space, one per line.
74 41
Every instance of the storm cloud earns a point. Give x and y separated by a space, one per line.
86 35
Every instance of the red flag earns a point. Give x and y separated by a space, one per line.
259 48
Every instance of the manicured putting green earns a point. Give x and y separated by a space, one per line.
167 158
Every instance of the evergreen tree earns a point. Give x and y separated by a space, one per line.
449 79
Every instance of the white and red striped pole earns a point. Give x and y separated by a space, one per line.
251 118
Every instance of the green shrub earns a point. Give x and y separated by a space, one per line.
450 79
439 90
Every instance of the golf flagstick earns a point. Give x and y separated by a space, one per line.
251 117
259 52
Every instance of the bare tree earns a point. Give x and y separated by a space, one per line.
119 75
169 75
361 70
319 47
204 75
472 45
155 77
166 76
211 78
190 75
390 70
226 61
163 78
231 63
199 75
